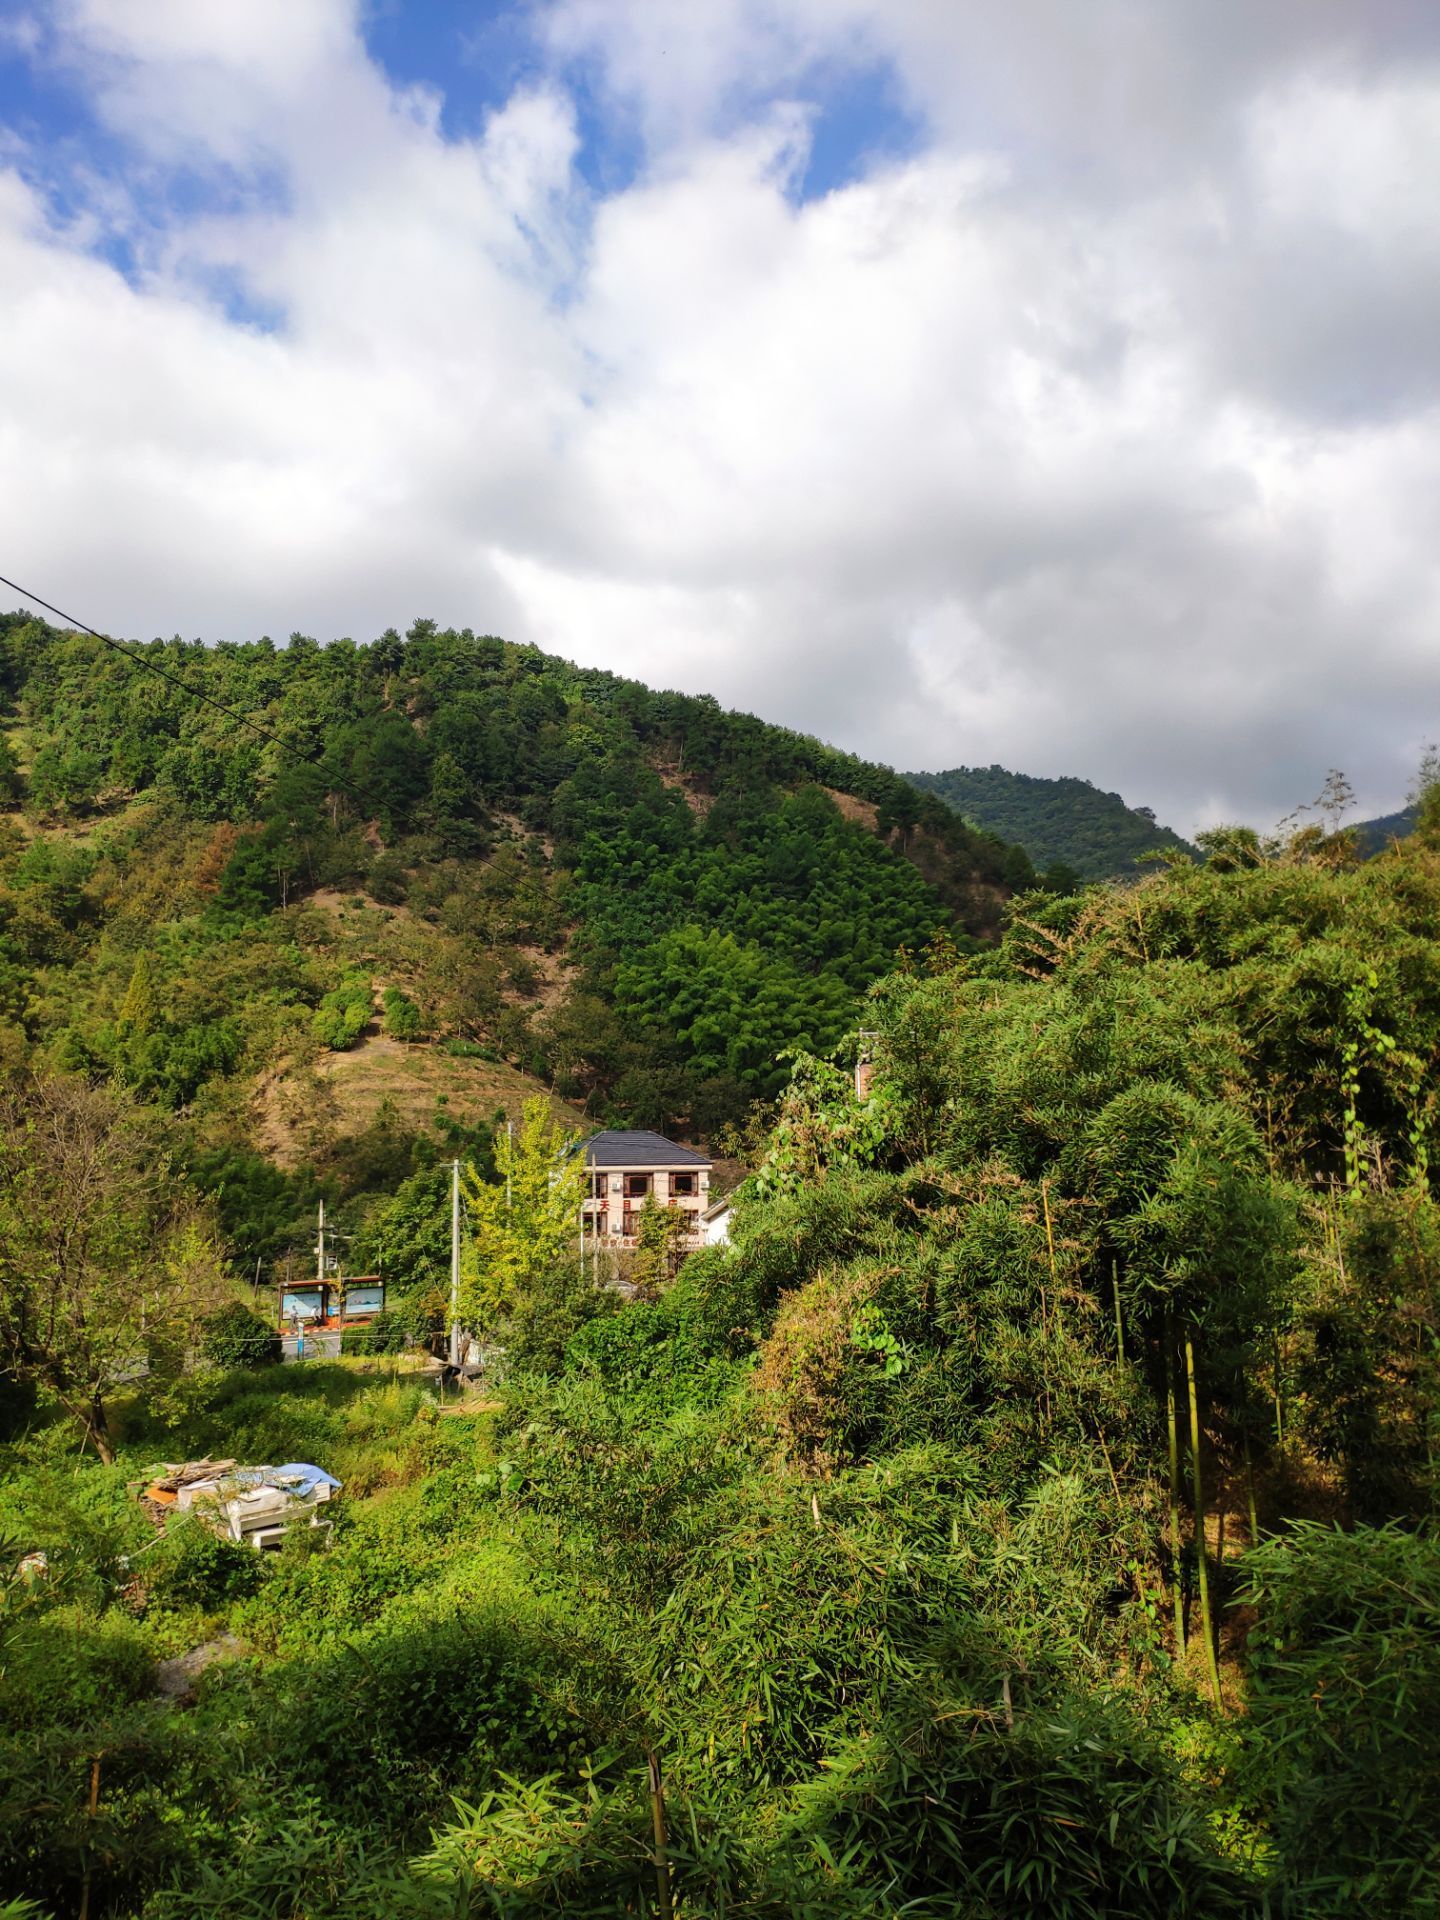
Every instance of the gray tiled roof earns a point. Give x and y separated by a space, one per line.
617 1149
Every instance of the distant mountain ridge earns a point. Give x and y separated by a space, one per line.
1065 821
1375 835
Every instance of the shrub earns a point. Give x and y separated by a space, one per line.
826 1366
343 1015
158 1786
71 1663
320 1587
388 881
238 1337
85 1522
1068 1813
1344 1701
541 1848
390 1725
299 1858
383 1333
403 1020
658 1354
548 1314
200 1568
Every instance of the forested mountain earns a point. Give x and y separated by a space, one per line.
1031 1513
1060 823
418 877
1372 836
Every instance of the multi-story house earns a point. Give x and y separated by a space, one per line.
626 1170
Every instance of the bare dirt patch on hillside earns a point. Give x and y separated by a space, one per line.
354 902
552 979
864 813
698 803
301 1108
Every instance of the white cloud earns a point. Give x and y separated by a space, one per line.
1098 436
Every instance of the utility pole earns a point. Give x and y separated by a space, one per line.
320 1248
455 1263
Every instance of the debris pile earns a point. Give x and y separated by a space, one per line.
257 1505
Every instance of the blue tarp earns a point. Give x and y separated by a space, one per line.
296 1477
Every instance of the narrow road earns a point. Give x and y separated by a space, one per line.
318 1346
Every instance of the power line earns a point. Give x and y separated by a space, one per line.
195 693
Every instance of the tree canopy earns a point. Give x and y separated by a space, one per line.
108 1267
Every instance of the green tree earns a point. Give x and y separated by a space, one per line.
108 1265
138 1009
1425 798
236 1336
659 1244
11 783
525 1222
344 1013
403 1020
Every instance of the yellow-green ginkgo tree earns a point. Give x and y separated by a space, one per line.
524 1223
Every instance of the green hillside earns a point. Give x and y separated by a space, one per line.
1065 822
430 875
1373 836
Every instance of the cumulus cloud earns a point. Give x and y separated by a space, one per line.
1100 433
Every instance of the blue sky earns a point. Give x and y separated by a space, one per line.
955 382
473 58
476 56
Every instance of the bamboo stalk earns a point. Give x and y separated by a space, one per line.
91 1811
1250 1493
657 1820
1044 1310
1119 1317
1050 1243
1201 1568
1177 1572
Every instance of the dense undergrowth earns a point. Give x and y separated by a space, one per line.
1032 1511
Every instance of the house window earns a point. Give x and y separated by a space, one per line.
637 1186
632 1225
682 1183
597 1186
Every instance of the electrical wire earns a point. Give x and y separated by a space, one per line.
195 693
